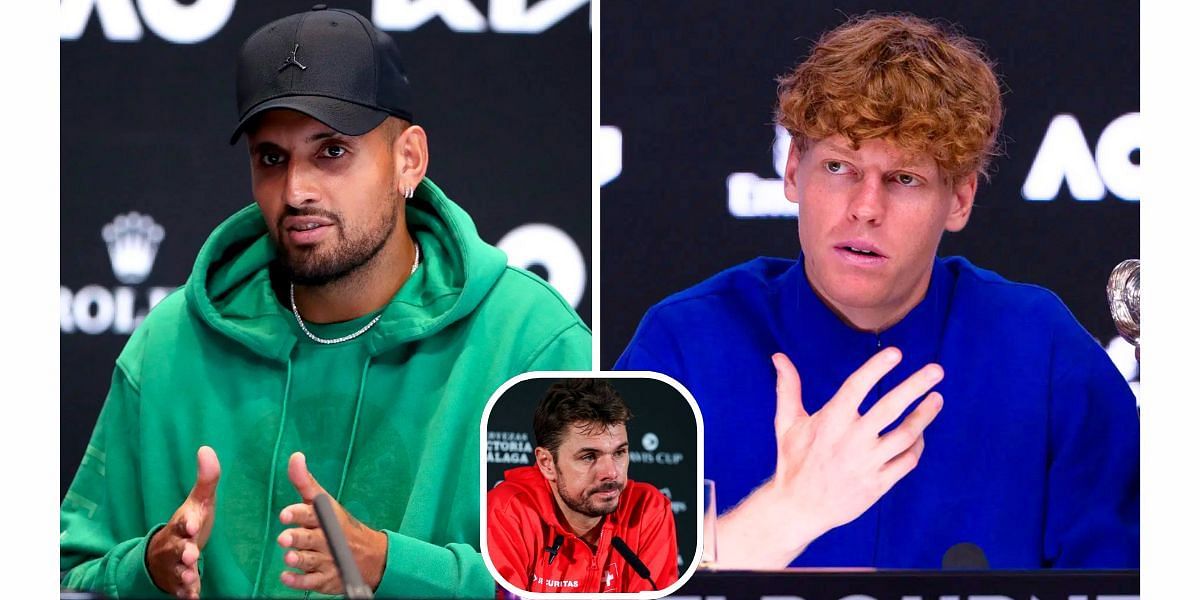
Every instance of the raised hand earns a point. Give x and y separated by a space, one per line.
173 554
831 465
307 550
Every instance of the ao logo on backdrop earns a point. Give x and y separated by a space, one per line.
192 22
1064 156
606 159
504 16
132 240
550 247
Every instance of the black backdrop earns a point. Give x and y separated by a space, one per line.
691 89
145 124
662 444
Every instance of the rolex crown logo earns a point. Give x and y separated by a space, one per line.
132 241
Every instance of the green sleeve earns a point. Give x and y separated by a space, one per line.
417 569
103 534
570 350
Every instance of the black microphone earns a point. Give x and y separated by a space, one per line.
639 567
553 548
352 579
965 556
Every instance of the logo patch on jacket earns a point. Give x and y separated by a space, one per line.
610 575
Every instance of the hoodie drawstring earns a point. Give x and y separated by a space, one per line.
267 545
362 386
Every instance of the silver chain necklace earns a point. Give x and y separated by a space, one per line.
345 338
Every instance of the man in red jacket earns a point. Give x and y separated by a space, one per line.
551 527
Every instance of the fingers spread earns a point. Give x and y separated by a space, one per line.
301 515
910 431
788 404
859 383
892 404
902 465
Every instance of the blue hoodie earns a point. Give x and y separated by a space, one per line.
1034 456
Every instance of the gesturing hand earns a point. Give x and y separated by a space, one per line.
832 465
173 554
308 550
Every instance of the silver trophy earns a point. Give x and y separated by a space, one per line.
1125 302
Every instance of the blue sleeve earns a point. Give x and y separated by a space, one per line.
1092 500
653 348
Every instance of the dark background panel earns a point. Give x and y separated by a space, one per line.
145 126
692 89
662 443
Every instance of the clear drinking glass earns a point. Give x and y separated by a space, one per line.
708 551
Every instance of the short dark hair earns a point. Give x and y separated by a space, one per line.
582 401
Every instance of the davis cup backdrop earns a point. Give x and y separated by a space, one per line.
691 161
503 89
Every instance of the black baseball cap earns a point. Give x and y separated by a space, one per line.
328 63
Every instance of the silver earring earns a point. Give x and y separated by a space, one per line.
408 192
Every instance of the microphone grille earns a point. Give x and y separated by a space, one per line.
964 556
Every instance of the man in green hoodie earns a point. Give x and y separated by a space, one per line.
340 336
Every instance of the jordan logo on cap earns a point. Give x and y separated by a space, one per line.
291 60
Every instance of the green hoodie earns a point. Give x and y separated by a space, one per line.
389 421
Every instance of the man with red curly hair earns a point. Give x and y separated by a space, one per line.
1031 433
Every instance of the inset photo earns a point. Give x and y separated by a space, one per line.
592 485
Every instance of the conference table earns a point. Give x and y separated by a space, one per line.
826 584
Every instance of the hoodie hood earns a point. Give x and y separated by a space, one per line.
230 287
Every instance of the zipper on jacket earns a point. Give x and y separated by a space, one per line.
602 548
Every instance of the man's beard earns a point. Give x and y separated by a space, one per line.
583 503
351 249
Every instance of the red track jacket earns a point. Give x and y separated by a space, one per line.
523 522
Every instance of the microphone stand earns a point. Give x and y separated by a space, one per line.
352 579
